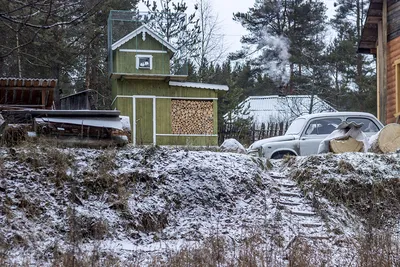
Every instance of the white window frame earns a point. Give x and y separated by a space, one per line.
144 56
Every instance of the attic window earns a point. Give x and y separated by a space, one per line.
144 62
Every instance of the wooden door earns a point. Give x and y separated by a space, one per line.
144 121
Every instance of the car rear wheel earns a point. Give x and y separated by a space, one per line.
281 154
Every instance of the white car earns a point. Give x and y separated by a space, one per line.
306 133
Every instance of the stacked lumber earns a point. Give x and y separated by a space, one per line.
192 117
387 140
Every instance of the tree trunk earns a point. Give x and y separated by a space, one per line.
387 140
345 145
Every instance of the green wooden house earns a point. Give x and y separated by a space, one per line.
163 108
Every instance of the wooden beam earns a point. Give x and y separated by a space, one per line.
379 57
384 63
43 97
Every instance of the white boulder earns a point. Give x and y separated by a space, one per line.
232 145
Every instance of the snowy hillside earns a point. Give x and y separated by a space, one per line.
142 206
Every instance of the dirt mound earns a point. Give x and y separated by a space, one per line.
367 184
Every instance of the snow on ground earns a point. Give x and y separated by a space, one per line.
137 203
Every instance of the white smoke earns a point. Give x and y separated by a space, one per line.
274 56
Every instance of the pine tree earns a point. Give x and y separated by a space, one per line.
170 21
353 73
287 35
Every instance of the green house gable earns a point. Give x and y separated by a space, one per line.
142 52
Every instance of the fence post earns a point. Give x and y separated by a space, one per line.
253 132
262 132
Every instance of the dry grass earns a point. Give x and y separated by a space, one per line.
379 248
377 201
375 249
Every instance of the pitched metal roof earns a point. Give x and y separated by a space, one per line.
200 85
275 108
144 29
25 82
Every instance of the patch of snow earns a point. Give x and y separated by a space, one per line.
232 145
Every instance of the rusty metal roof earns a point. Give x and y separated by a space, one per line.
369 36
22 82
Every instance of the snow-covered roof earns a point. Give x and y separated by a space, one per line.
144 29
275 108
200 85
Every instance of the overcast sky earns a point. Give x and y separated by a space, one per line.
232 30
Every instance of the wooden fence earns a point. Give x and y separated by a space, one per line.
248 134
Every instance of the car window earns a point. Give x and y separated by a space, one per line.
296 126
322 126
368 125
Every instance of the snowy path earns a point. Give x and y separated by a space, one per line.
296 211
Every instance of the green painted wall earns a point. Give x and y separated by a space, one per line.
124 105
144 109
188 140
160 88
163 112
125 62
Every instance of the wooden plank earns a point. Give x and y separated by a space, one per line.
163 116
379 72
144 121
124 105
161 88
384 67
43 95
215 115
188 140
14 98
5 97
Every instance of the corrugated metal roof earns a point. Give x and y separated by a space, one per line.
27 82
143 29
114 123
200 85
27 93
276 108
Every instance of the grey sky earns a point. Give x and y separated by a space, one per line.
232 30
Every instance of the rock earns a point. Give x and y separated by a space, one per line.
232 145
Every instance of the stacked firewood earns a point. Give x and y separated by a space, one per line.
387 140
192 117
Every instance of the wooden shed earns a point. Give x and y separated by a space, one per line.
84 100
26 93
163 108
381 37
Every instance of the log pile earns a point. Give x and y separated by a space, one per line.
387 140
345 145
192 117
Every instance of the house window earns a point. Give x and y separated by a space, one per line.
144 62
397 88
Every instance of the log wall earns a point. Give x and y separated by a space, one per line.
393 53
393 19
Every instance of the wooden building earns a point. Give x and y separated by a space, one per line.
18 93
84 100
163 108
381 38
